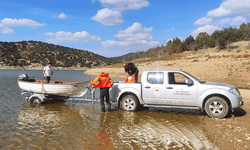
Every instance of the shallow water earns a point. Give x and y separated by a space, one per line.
82 125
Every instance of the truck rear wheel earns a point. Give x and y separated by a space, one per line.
129 103
216 107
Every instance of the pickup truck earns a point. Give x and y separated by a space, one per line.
176 89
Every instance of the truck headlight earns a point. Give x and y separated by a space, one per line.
235 91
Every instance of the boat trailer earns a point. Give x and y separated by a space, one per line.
37 98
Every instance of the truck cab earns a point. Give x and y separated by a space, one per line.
177 89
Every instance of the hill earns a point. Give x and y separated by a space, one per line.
34 54
123 58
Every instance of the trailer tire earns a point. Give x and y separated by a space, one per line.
129 103
216 107
35 100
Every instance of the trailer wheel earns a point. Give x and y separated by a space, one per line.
216 107
35 100
129 103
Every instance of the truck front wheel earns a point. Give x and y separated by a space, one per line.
216 107
129 103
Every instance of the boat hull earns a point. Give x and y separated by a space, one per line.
73 89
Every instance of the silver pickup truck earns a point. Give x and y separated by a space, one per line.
176 89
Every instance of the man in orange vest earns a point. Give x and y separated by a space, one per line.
104 83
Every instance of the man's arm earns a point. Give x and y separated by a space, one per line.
94 83
136 70
99 81
111 82
51 72
44 73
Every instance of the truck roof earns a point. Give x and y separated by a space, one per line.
169 70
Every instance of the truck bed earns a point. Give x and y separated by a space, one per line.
120 87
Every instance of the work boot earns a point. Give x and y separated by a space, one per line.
103 108
109 107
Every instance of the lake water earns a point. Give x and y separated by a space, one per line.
81 125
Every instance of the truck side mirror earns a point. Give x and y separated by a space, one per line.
189 82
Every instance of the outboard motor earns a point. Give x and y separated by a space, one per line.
23 77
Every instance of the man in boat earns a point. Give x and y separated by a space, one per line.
48 72
131 70
104 83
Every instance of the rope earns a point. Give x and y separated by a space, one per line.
42 90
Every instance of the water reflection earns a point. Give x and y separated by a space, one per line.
83 126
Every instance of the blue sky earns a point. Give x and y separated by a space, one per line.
116 27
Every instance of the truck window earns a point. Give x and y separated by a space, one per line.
155 77
176 78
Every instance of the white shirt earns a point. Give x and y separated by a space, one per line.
48 71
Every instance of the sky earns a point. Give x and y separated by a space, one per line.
116 27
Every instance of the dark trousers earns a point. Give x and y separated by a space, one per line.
47 79
136 78
104 93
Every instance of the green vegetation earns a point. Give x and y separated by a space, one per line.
26 52
219 38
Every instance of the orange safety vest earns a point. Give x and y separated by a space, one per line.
130 79
104 81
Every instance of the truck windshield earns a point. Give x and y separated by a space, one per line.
194 77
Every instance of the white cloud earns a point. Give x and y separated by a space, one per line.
5 30
237 21
209 29
134 38
170 29
135 32
112 14
68 36
124 4
130 45
181 38
108 17
62 16
169 40
231 7
21 22
203 21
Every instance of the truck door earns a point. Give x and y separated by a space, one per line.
178 92
153 89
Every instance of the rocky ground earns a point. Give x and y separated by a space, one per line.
233 132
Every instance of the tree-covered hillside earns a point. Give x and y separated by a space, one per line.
219 38
26 52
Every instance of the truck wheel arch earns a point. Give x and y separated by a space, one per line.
124 94
218 95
